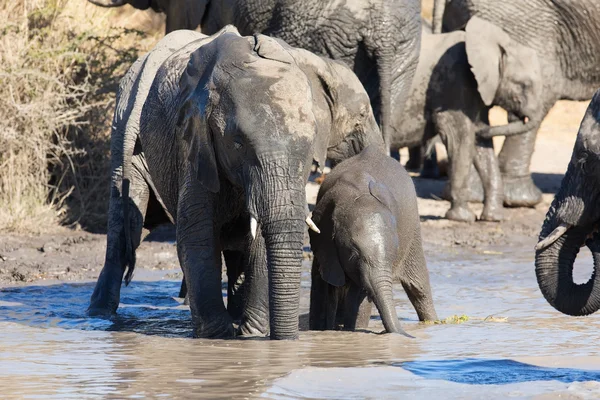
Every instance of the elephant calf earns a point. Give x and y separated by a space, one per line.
370 236
459 77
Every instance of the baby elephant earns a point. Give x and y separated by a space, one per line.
460 76
370 237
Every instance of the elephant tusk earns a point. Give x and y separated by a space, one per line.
313 227
526 119
253 226
552 237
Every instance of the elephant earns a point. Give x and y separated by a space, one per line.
370 236
217 135
378 39
459 77
565 37
572 221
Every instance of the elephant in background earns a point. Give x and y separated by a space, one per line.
370 236
459 76
572 221
217 135
566 38
378 39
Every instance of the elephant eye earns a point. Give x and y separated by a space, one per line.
237 145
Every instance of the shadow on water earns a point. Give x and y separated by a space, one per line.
473 371
147 307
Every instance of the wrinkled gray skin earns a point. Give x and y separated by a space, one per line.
209 131
566 38
459 76
370 237
378 39
576 205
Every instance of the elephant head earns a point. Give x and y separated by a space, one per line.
508 74
253 118
572 222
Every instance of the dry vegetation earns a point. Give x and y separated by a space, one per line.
60 63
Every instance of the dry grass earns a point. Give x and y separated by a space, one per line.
60 62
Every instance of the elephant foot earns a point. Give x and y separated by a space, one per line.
492 214
105 299
220 329
472 193
520 191
247 330
460 213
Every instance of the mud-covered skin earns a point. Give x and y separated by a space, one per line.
210 131
378 39
565 36
458 79
370 237
576 207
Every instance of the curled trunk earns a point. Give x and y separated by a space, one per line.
554 272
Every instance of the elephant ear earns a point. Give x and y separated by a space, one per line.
382 194
486 45
323 244
193 122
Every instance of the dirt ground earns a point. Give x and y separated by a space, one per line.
68 255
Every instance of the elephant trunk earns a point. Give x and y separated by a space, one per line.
385 90
554 270
438 16
108 3
381 294
511 129
280 204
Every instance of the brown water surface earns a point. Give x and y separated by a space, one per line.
49 348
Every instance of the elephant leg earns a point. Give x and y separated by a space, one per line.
235 262
415 158
364 313
332 298
183 289
430 169
514 160
106 296
255 318
199 252
415 281
457 134
355 296
487 167
318 299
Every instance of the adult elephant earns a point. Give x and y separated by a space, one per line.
217 134
565 35
378 39
571 222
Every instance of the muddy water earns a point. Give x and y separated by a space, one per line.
48 347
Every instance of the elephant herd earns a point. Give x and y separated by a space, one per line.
216 132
